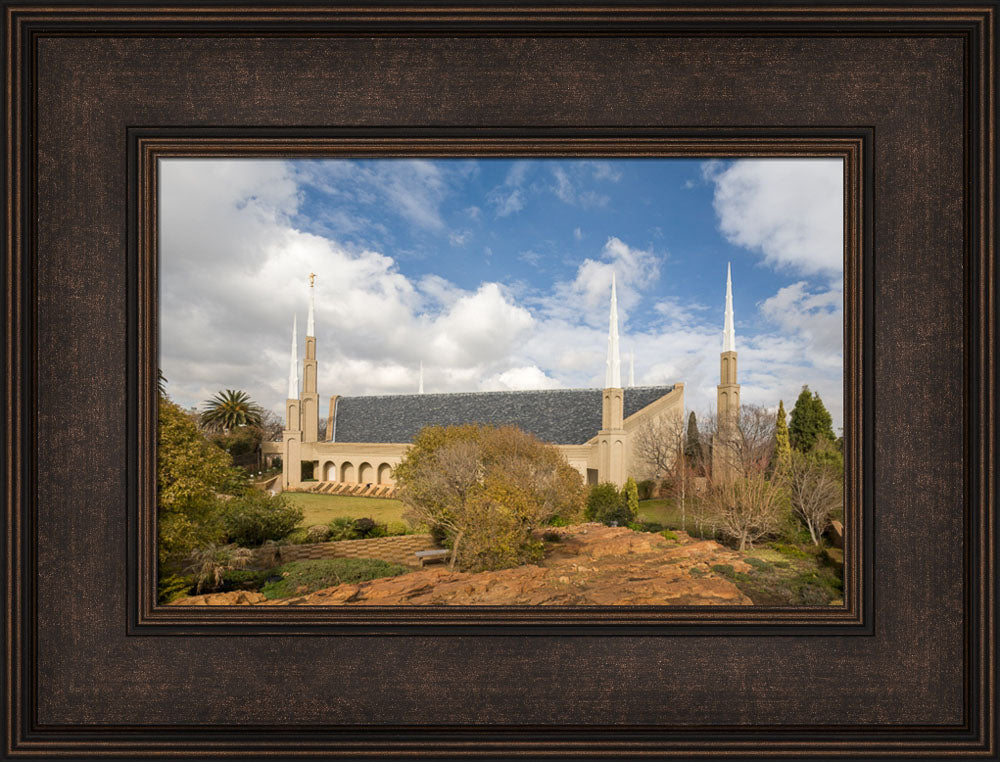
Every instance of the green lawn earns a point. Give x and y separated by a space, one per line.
666 511
322 509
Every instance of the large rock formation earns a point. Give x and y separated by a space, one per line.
589 564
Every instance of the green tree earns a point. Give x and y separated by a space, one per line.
230 409
692 445
608 505
486 490
191 473
782 441
810 420
631 493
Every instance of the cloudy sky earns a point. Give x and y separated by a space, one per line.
496 274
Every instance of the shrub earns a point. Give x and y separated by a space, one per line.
210 563
342 528
608 506
255 517
669 535
298 536
726 570
631 494
558 521
485 490
303 577
244 579
788 550
172 587
645 488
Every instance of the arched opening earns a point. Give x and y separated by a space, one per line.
385 474
366 474
347 472
329 471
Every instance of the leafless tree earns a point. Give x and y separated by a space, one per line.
745 507
271 427
659 444
752 442
816 491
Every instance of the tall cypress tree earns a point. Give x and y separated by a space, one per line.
782 442
692 447
810 421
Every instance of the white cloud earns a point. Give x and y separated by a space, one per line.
524 377
789 210
234 267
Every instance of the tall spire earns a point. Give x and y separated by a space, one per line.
293 370
310 322
420 385
613 375
729 332
631 367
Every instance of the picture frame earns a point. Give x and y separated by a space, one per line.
95 94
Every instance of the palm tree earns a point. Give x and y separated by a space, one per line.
229 409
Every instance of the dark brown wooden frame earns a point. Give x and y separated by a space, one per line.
907 667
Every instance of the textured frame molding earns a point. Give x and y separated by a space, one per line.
25 735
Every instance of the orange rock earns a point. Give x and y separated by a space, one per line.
591 565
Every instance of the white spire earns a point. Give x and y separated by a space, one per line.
310 322
729 332
631 367
613 376
293 369
420 386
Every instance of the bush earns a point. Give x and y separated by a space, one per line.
646 487
608 506
298 536
558 521
485 491
303 577
726 570
209 564
669 535
172 587
631 494
255 517
244 579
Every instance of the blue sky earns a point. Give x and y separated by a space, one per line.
496 273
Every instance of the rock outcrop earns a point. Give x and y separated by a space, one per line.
588 564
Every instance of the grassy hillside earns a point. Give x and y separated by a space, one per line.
322 509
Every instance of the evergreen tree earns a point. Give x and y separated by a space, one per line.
631 495
810 421
692 447
782 442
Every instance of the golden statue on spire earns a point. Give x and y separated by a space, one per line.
312 277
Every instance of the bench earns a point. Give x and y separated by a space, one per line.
426 556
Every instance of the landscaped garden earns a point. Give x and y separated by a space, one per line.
497 500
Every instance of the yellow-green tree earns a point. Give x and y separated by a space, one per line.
782 442
487 489
191 472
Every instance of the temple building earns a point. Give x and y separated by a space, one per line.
726 442
367 436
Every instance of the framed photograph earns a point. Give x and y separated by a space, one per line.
620 377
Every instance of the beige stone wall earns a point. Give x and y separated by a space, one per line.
397 550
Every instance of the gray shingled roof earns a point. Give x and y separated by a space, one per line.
559 416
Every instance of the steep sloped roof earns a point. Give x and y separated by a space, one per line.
559 416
